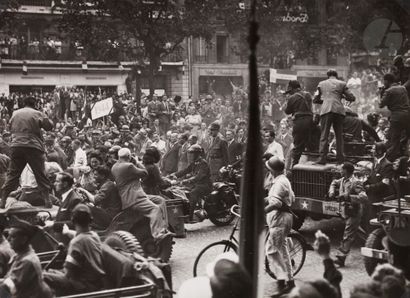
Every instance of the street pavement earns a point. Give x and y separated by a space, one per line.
201 234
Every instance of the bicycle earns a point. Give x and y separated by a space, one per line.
296 243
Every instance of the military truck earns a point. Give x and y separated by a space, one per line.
391 235
311 182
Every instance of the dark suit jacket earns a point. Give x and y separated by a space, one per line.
67 206
170 159
234 151
218 150
108 198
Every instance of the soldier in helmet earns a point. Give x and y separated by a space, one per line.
279 219
197 176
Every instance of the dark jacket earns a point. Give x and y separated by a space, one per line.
153 182
108 198
170 159
218 150
199 173
67 206
332 275
299 103
396 100
235 150
354 126
26 125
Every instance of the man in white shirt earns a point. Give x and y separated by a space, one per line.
274 147
158 143
80 157
355 84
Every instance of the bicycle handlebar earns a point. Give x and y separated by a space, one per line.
233 210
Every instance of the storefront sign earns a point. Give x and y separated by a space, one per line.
102 108
221 72
290 18
274 75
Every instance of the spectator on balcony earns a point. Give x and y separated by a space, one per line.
13 47
4 47
34 49
58 44
22 47
50 48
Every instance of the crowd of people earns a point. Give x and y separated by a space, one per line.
53 153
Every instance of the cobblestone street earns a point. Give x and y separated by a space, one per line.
200 235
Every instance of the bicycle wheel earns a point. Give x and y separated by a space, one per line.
209 253
297 253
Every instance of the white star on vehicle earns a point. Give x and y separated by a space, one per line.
305 205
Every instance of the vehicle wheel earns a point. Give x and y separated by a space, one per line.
125 241
222 218
161 251
209 253
297 252
298 221
374 241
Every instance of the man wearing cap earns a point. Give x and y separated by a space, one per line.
330 94
349 190
24 278
279 219
27 147
207 110
128 179
5 249
217 155
299 105
83 267
395 98
55 153
197 176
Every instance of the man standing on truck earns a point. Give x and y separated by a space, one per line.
395 98
299 105
27 148
349 190
330 94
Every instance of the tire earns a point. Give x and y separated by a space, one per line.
125 241
161 251
210 252
297 254
298 221
222 218
374 240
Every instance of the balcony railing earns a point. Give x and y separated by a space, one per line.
46 3
71 53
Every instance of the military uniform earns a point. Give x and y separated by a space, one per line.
217 156
25 277
198 176
299 105
352 189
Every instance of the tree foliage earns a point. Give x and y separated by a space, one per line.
146 30
7 15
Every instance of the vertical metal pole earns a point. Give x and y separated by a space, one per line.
252 214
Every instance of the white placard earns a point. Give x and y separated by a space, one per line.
102 108
274 75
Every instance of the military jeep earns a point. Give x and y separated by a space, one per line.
311 182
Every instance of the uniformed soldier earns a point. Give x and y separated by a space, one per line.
197 176
299 105
217 156
24 278
351 191
83 269
279 219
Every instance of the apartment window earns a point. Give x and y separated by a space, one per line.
221 48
